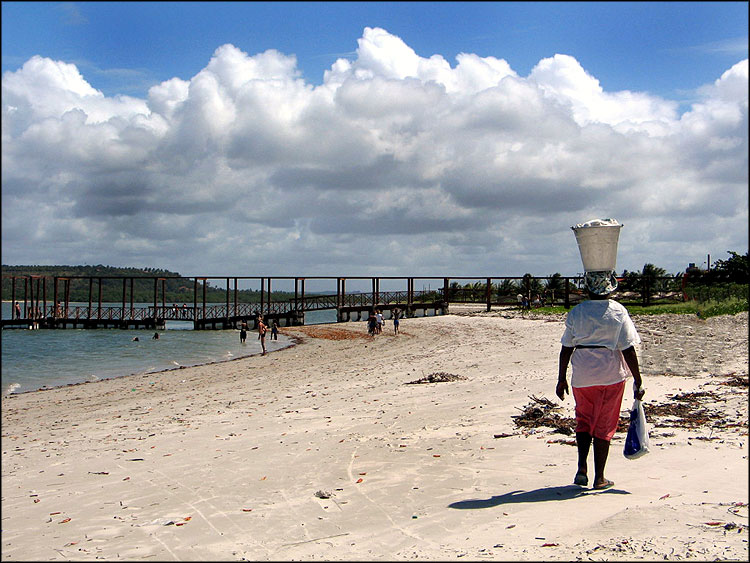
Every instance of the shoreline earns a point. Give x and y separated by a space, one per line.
324 450
6 394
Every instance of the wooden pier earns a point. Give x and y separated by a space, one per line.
35 311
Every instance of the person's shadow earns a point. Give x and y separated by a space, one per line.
566 492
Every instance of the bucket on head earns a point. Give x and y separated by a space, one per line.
597 242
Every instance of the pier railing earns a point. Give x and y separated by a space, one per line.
45 302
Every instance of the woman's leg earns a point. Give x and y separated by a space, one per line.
583 441
601 450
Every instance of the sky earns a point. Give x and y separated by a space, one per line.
372 138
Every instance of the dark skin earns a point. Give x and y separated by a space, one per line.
584 439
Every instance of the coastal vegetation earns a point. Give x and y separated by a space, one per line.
701 309
177 289
721 290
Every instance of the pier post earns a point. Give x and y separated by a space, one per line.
54 305
195 304
164 301
67 296
156 298
262 294
489 294
13 297
205 283
303 296
296 296
235 298
99 307
124 295
269 297
91 291
226 322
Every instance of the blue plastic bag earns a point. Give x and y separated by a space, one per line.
636 442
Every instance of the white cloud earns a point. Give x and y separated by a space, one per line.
396 165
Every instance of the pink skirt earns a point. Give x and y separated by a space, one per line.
598 409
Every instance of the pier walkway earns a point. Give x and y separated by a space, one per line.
37 313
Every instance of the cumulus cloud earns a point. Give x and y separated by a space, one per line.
397 164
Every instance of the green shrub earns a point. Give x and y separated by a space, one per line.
702 309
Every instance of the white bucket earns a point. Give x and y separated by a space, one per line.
597 242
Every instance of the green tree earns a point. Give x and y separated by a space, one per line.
651 275
534 285
507 287
734 269
554 286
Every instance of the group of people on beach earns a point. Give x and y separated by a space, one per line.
525 303
376 321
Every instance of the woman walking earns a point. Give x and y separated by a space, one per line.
599 344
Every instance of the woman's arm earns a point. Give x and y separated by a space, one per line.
562 371
631 359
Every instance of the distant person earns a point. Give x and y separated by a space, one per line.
155 336
275 331
18 311
243 331
372 324
396 315
379 321
135 339
262 333
600 338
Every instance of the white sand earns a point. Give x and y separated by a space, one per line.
223 462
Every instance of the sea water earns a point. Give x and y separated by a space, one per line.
37 359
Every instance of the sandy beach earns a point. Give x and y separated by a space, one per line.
332 450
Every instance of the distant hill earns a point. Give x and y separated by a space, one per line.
177 288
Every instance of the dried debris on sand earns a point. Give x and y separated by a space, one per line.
437 377
330 333
683 410
540 413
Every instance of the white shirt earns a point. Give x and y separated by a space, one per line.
603 323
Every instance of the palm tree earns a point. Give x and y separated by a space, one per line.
651 274
554 283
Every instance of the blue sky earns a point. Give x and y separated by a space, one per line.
666 48
398 138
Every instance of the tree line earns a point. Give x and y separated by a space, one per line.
729 277
176 289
